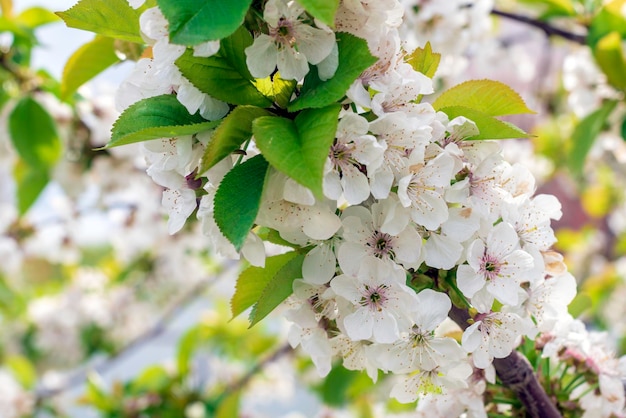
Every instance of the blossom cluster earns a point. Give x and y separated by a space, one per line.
417 219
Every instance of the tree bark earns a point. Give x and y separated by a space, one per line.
517 374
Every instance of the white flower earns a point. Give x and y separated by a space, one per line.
291 44
380 302
496 265
451 375
493 335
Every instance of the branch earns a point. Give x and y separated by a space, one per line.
517 374
80 376
545 27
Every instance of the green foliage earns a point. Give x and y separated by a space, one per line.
609 55
585 134
277 89
238 199
424 60
354 58
234 130
553 8
194 22
608 19
491 98
88 61
225 75
30 183
112 18
253 280
156 117
488 126
299 148
229 406
335 389
324 10
278 289
34 17
23 370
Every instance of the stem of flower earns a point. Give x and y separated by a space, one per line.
545 27
517 374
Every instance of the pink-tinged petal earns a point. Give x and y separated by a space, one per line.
468 281
475 254
359 324
292 64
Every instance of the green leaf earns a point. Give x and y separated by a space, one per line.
238 199
151 379
253 280
610 57
192 22
234 130
585 134
88 61
278 289
112 18
276 89
33 17
608 19
489 127
354 58
156 117
623 129
225 75
324 10
489 97
335 387
299 148
34 134
30 183
229 406
553 8
424 60
23 370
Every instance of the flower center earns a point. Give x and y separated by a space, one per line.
374 297
381 245
490 267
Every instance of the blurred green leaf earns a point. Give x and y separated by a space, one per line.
610 57
34 17
30 183
151 379
23 370
585 134
608 19
324 10
229 406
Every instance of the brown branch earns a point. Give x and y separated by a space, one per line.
548 29
517 374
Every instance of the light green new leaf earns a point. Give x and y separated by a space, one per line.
238 199
253 280
23 370
192 22
489 97
112 18
228 406
88 61
235 129
33 17
156 117
225 75
34 134
354 58
609 19
585 134
610 57
30 183
489 127
276 89
324 10
299 148
278 289
424 60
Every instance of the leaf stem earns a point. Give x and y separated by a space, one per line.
548 29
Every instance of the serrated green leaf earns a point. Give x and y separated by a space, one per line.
34 134
488 126
354 58
324 10
156 117
235 129
278 289
225 75
276 89
23 370
489 97
252 281
299 148
585 134
610 57
424 60
33 17
88 61
112 18
238 199
194 22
